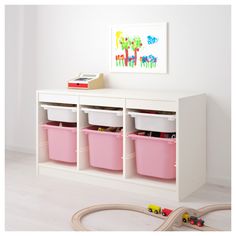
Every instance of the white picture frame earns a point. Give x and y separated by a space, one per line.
139 48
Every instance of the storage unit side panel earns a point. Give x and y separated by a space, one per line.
191 144
37 133
42 141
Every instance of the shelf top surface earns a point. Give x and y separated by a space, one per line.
125 93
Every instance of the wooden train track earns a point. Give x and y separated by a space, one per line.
173 220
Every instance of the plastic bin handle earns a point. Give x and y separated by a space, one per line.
132 114
46 107
171 118
84 110
172 141
120 113
132 136
91 110
136 114
85 131
44 126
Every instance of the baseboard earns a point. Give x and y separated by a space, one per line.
226 182
20 149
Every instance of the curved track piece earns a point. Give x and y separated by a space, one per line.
174 219
77 217
210 208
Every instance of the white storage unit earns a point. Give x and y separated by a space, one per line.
189 123
154 122
104 117
61 113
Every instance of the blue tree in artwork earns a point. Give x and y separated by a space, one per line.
148 61
151 39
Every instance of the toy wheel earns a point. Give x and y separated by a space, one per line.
150 209
184 220
163 214
199 224
156 212
191 222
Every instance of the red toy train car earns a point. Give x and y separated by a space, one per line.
166 211
193 220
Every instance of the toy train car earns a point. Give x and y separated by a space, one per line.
155 209
166 211
193 220
158 210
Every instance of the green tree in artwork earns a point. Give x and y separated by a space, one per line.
136 44
125 45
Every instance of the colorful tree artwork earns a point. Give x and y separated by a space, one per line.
139 48
125 45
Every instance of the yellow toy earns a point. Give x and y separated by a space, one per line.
185 217
155 209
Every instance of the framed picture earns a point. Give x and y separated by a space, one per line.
139 48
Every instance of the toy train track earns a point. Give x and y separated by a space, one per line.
174 219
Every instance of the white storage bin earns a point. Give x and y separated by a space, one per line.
154 122
61 113
103 117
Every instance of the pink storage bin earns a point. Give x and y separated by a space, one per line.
105 148
155 157
61 141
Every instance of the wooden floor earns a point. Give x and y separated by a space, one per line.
47 203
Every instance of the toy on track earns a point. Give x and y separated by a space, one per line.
181 216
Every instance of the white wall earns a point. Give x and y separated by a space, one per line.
20 78
71 39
